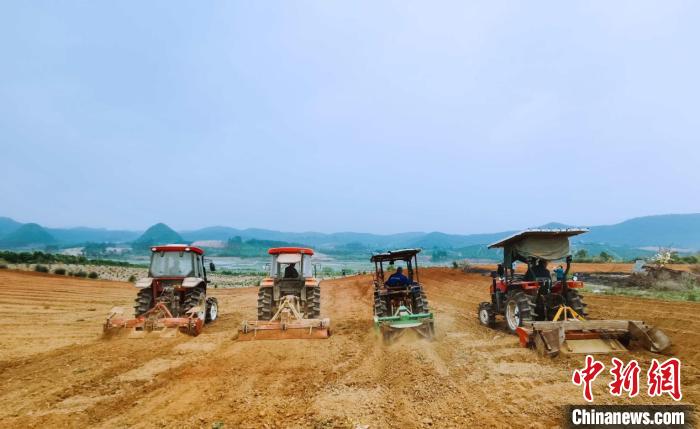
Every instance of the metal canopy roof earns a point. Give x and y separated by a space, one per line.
543 233
395 255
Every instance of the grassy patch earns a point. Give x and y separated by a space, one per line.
666 295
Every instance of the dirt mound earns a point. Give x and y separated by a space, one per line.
661 278
56 370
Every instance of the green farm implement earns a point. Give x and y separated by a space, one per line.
391 327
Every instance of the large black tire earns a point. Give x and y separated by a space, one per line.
420 303
264 304
313 303
519 308
379 306
576 302
486 315
424 298
144 301
212 309
196 296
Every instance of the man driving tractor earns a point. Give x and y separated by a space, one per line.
290 272
398 279
539 271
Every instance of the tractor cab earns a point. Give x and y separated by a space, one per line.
399 299
177 261
391 294
537 248
409 258
291 263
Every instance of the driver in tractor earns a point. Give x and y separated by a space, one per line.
398 279
290 272
539 271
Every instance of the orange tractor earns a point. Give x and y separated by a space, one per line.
174 295
289 299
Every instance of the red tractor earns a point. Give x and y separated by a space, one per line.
174 295
546 311
535 295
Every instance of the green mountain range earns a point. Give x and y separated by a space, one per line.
634 237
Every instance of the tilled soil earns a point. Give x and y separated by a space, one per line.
57 371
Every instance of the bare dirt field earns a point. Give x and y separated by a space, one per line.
57 371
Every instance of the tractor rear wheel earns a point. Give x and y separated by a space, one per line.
424 298
486 315
144 301
576 302
264 304
519 309
379 306
313 303
196 297
420 303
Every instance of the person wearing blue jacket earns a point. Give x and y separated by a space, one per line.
398 279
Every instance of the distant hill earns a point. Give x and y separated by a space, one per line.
159 233
8 225
678 231
27 235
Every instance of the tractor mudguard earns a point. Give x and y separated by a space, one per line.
144 283
190 282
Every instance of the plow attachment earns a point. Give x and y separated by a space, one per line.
392 327
287 323
157 319
590 336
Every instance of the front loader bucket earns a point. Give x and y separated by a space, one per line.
392 327
305 329
589 336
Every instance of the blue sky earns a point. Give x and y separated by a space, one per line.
334 116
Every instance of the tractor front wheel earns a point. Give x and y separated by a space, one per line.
212 309
486 315
518 310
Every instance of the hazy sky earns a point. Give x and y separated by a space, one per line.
334 116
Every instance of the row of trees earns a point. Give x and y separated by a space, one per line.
53 258
583 256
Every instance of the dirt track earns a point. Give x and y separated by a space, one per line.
56 370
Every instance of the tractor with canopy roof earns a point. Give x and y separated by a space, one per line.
547 312
400 302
